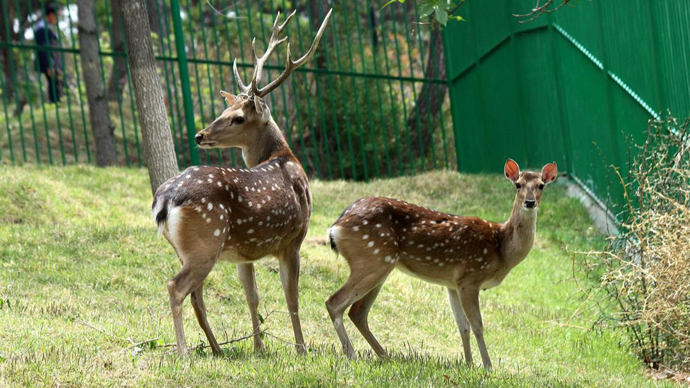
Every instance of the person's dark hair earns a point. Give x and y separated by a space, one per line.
51 8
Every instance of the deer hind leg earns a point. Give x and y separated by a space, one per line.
248 280
289 277
188 279
359 314
361 282
197 300
469 297
461 320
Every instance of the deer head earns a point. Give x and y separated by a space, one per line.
247 116
529 185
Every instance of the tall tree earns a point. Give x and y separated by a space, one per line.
118 75
159 152
103 130
430 99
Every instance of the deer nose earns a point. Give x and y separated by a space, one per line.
530 203
199 137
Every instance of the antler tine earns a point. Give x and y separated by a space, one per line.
243 88
292 65
273 42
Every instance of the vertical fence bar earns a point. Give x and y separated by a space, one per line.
434 74
358 122
220 73
28 95
105 84
455 119
184 79
347 118
53 86
4 87
7 120
562 108
312 123
173 96
400 163
68 95
320 104
43 105
420 139
372 135
227 37
208 77
76 75
195 65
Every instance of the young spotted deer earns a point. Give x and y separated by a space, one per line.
239 215
464 254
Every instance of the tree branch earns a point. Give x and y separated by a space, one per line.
539 10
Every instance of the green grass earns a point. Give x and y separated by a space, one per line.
83 272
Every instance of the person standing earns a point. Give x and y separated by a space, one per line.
48 61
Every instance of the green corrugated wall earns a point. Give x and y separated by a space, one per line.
577 86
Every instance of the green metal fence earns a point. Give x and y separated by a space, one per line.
351 113
577 86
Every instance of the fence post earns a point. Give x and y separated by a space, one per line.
184 80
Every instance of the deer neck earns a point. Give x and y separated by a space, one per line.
268 144
518 234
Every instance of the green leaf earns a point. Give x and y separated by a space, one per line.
441 16
458 18
261 318
426 8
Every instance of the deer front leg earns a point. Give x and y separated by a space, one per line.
289 277
246 275
469 297
461 321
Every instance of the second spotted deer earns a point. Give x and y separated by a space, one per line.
463 254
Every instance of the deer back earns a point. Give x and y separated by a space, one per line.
240 214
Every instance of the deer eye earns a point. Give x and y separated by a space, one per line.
541 186
239 120
518 186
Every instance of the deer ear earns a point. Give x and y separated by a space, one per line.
230 99
511 170
262 109
549 173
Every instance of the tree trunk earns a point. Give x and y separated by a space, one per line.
95 89
154 20
430 99
7 57
159 152
118 75
317 11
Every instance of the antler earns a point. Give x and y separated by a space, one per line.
252 88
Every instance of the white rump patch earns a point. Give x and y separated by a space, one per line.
172 225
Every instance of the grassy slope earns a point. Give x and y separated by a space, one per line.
78 249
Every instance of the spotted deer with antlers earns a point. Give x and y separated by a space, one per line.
239 215
463 254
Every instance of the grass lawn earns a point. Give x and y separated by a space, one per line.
83 273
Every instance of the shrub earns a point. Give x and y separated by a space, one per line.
644 272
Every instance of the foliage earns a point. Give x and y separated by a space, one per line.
644 271
440 10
